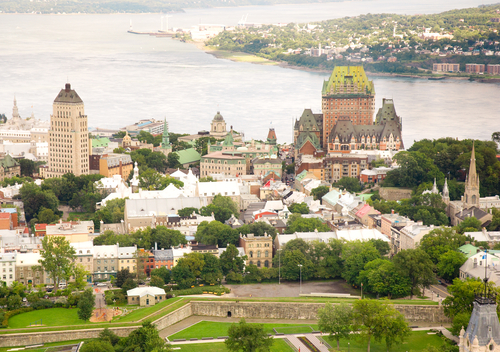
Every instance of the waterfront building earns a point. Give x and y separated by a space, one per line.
445 67
68 135
348 94
493 69
474 68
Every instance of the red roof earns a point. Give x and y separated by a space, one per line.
40 227
364 210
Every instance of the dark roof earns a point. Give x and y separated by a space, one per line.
471 212
68 95
204 247
163 254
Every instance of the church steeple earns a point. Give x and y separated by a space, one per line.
165 141
15 111
446 192
471 195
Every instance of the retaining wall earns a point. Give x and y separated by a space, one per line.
291 310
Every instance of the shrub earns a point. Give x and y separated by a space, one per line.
42 304
10 314
199 290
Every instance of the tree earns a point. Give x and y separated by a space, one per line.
27 167
14 302
109 336
97 346
367 317
47 216
216 233
226 202
144 339
122 276
449 265
187 212
80 275
230 261
336 320
469 225
129 284
163 273
300 208
416 265
382 246
86 304
393 327
296 223
150 179
248 338
34 198
381 277
290 261
57 258
166 238
356 254
439 241
319 192
495 137
173 161
156 281
350 184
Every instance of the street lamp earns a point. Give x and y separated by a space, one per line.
300 280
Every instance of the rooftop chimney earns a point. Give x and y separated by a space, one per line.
68 87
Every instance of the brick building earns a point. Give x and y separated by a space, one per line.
474 68
445 67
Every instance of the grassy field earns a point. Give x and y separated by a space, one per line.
240 57
418 341
278 346
50 317
216 329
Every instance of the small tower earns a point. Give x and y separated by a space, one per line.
434 188
446 192
483 331
471 196
271 136
166 147
218 126
134 183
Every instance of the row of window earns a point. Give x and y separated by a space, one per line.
266 254
266 263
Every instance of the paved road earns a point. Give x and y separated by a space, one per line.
441 290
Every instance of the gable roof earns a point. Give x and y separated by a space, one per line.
143 291
187 156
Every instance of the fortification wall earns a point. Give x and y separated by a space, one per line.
291 310
390 193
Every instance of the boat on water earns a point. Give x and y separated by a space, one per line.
159 33
436 78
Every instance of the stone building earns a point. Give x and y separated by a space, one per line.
73 231
28 269
258 249
111 164
228 162
105 261
8 265
348 93
146 296
263 166
308 133
218 126
127 258
84 252
9 167
69 144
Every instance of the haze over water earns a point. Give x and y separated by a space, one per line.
123 77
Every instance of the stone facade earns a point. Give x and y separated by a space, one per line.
279 310
389 193
68 135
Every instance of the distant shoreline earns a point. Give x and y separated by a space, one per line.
235 56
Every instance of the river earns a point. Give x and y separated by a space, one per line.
123 77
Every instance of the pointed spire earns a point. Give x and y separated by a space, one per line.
472 176
434 187
446 192
165 143
15 110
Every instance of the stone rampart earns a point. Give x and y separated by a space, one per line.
34 338
174 317
291 310
389 193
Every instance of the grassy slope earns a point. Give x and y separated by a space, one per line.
50 317
140 313
278 346
417 341
216 329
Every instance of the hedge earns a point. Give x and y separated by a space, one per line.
11 313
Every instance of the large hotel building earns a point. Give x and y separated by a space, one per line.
348 94
68 135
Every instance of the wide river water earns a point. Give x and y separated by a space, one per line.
123 77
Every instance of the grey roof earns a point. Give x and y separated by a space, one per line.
483 324
163 254
68 95
161 206
475 212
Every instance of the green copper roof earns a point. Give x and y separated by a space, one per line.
228 141
343 76
468 249
308 121
187 156
386 112
100 142
7 161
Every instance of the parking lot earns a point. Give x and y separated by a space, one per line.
291 289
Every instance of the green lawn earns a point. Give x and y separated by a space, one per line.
278 346
216 329
417 341
50 317
170 305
